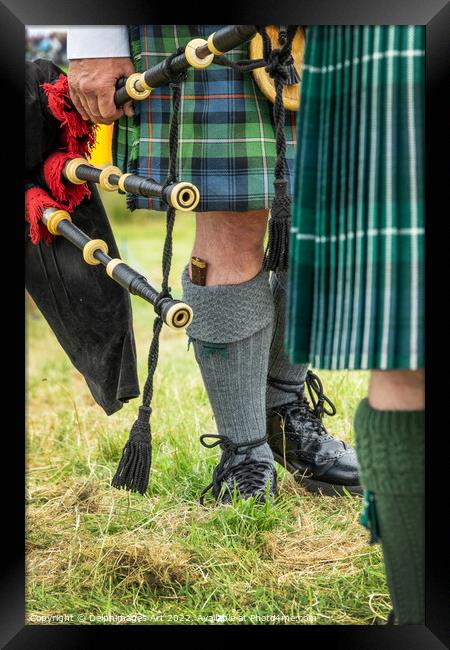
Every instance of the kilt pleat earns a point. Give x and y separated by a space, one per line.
356 290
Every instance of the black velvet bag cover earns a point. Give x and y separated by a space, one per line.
89 313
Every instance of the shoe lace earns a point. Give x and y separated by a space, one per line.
311 417
318 397
248 474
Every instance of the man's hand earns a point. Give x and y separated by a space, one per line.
92 86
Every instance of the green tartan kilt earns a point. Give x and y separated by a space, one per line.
356 276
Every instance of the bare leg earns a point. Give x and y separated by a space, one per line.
397 390
232 243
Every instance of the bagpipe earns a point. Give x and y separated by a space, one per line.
264 50
174 313
60 178
182 196
198 53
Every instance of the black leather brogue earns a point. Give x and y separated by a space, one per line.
249 478
300 442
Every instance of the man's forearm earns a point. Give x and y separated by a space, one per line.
94 42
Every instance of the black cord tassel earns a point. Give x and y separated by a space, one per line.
134 467
277 253
292 76
280 67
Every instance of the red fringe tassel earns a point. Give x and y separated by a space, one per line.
36 200
77 137
68 194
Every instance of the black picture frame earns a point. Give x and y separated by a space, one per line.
435 14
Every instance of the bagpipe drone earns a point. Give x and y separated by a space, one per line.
90 315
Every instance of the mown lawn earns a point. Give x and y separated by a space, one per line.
98 555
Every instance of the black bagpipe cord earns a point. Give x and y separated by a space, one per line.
279 64
280 67
134 466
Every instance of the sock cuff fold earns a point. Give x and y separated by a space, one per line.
228 313
390 446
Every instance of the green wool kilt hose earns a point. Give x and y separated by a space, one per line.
356 277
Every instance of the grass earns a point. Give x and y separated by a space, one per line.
98 555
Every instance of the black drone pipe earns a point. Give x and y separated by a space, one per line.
198 53
226 39
175 314
180 195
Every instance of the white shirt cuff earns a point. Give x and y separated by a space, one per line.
92 42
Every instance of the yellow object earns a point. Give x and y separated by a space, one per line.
104 176
184 196
121 182
112 265
101 153
178 316
90 248
212 48
54 219
198 262
142 84
131 89
291 93
70 170
190 52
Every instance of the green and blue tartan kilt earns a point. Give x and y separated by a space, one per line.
356 276
226 134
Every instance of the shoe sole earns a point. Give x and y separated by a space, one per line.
312 485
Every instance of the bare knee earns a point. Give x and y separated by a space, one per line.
397 390
232 244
